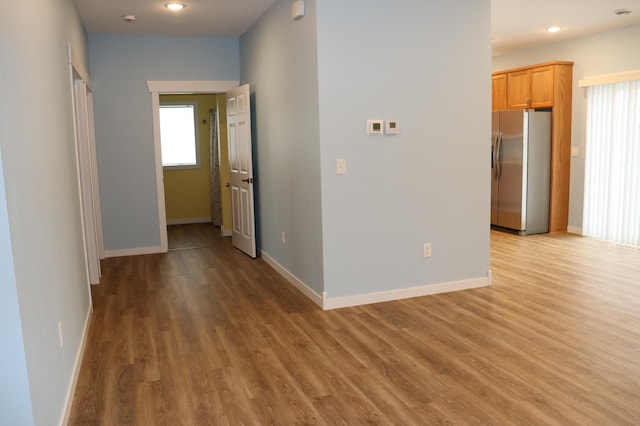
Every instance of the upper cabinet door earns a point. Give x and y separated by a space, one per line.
518 89
530 88
499 92
541 87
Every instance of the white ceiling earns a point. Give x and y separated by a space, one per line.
201 18
515 24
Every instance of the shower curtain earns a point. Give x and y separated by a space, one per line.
214 153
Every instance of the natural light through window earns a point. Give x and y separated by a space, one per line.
612 167
178 135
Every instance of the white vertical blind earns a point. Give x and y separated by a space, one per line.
612 169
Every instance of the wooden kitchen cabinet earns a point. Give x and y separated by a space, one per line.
547 85
499 92
518 89
541 94
530 88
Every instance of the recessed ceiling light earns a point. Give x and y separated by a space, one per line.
622 12
553 29
175 6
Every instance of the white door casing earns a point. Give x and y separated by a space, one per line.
241 169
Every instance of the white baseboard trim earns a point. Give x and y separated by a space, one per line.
134 251
188 221
404 293
76 368
327 303
574 230
304 289
226 232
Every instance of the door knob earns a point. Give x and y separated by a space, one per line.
248 180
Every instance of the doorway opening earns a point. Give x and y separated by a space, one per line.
184 88
193 134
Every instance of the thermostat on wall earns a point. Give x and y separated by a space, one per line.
375 127
393 127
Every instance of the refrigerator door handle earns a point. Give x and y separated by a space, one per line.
494 147
499 156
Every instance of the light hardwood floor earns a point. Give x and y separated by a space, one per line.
208 336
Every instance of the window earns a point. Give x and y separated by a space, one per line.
612 167
178 137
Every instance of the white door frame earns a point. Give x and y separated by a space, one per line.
174 87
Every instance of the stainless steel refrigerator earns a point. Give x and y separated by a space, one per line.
520 170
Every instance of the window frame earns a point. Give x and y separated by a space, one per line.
196 133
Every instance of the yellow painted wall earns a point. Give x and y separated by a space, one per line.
187 192
224 163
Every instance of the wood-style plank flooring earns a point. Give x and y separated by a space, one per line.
208 336
190 236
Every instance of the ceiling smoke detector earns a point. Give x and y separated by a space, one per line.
129 18
622 12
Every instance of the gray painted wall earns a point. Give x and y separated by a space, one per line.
392 60
604 53
41 228
279 60
120 68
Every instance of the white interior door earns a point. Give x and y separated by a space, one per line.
85 178
241 166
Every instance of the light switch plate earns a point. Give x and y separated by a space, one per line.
375 127
341 166
575 151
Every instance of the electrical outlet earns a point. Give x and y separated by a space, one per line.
283 238
60 334
426 250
